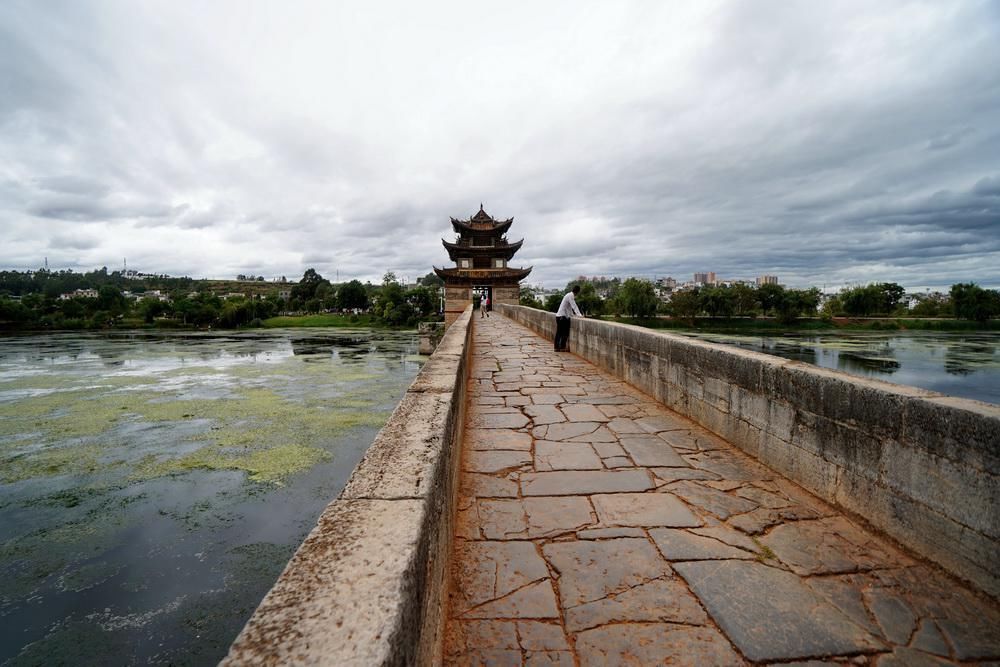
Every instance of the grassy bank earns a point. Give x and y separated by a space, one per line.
768 325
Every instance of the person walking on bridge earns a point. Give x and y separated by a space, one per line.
484 307
567 309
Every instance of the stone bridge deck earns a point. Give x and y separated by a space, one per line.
597 527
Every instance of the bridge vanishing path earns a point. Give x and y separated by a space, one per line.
597 527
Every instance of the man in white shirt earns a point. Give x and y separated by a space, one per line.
567 309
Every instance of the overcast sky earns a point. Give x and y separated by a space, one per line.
827 143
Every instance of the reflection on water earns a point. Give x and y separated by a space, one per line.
958 364
153 485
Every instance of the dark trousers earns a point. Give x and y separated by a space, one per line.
562 333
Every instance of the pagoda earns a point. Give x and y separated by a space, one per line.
481 253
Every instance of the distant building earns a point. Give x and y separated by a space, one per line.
667 283
767 280
284 294
79 294
705 278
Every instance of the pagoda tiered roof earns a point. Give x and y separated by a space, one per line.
464 249
482 222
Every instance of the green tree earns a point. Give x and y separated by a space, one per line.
685 304
770 297
530 299
431 280
352 295
745 301
891 296
718 301
638 298
424 300
306 288
797 302
588 301
972 302
552 302
932 305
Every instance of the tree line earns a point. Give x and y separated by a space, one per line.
35 300
636 297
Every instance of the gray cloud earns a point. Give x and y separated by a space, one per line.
826 143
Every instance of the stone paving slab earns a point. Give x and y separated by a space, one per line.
597 527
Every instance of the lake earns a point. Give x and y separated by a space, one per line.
958 364
154 485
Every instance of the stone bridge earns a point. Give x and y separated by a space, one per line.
528 507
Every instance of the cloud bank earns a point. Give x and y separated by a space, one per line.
825 144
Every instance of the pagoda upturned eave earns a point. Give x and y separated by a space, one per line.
471 276
504 250
481 226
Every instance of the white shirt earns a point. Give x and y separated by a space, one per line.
568 307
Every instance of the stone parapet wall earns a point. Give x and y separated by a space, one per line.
367 586
509 295
918 465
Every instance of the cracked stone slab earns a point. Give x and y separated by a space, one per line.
654 644
660 600
928 638
477 485
536 600
500 420
643 509
624 426
564 431
601 434
845 593
764 498
532 518
489 439
759 520
485 571
668 475
618 462
731 537
829 546
544 414
908 657
546 399
549 659
607 533
895 617
538 636
660 423
695 440
683 545
565 456
591 570
773 615
649 450
581 412
495 461
717 502
731 466
584 482
608 449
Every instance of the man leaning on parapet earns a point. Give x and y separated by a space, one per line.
567 309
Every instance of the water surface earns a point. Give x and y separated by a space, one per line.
957 364
153 486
